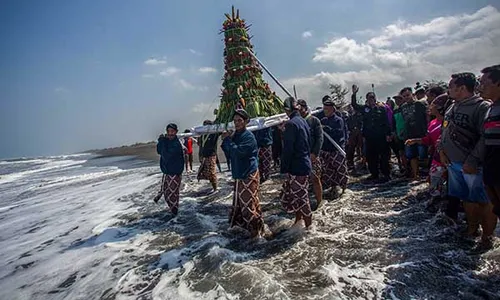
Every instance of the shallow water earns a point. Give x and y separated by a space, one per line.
74 227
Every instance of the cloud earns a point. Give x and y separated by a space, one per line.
195 52
201 108
185 85
401 53
207 70
345 51
306 34
169 71
440 29
147 76
155 61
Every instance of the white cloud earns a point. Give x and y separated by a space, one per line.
306 34
183 84
169 71
207 70
201 108
439 29
345 51
400 54
155 61
195 52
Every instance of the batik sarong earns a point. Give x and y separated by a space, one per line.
437 174
334 171
171 188
265 162
207 169
295 195
246 212
317 166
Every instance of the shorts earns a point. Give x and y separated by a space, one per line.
415 151
467 187
188 157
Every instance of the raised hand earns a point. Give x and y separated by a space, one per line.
355 89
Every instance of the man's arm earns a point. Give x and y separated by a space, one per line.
244 148
476 156
318 136
183 147
159 145
354 103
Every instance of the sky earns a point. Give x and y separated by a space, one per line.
79 75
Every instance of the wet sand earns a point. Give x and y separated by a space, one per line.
147 151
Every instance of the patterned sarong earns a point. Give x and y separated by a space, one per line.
171 187
265 162
295 195
437 181
246 212
207 169
317 166
334 169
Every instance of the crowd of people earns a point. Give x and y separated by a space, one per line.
449 135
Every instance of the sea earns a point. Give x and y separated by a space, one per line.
86 227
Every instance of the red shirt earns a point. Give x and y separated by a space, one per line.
188 142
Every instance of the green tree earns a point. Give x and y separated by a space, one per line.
338 93
434 82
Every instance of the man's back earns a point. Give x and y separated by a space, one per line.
296 155
415 118
316 133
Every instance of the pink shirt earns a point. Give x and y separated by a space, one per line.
433 133
432 137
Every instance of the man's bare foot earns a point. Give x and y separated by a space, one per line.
298 225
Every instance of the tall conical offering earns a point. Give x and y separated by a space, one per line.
243 86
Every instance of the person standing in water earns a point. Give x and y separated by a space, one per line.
489 88
264 139
172 164
377 134
334 170
316 143
208 146
296 164
188 155
242 147
462 149
414 114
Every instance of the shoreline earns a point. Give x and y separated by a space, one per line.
144 151
147 151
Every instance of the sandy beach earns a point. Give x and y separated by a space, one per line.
147 151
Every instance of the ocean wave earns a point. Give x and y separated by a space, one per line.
44 167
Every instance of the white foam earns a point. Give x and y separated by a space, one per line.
28 161
46 167
6 208
168 289
366 278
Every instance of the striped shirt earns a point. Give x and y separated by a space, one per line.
492 126
492 143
